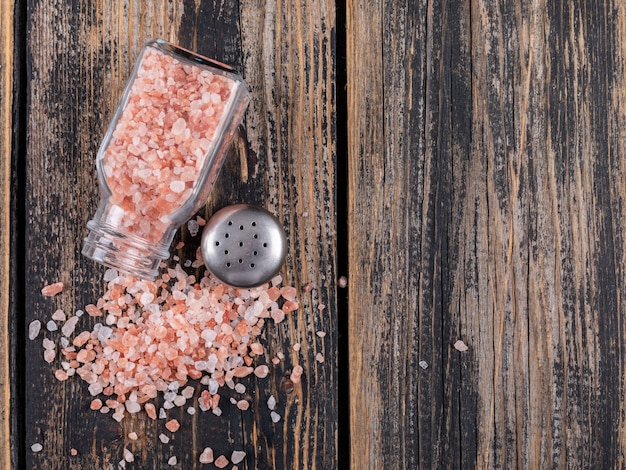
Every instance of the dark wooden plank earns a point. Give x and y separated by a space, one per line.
486 205
7 45
80 58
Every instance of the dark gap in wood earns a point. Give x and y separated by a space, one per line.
341 191
16 321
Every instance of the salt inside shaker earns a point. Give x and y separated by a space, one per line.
161 154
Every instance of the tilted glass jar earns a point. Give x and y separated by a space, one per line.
161 154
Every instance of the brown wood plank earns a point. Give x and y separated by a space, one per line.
6 139
80 57
486 153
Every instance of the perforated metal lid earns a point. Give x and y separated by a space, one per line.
243 245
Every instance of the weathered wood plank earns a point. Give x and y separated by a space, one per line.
80 58
486 154
6 138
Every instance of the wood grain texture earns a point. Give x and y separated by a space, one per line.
6 140
486 153
80 58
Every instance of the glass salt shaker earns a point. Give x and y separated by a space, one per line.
161 154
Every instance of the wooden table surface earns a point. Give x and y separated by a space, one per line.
463 163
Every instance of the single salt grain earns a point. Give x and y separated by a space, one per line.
109 275
163 438
162 414
237 456
58 315
261 371
48 355
321 307
243 405
150 410
132 436
342 282
73 452
240 388
221 462
60 374
275 417
308 287
132 406
172 425
187 392
51 326
319 357
320 334
296 373
48 343
122 464
206 456
128 456
201 221
271 402
69 326
191 411
460 346
193 227
33 329
296 347
36 447
96 404
177 186
179 245
172 460
52 289
423 365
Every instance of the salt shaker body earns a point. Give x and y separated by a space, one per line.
161 154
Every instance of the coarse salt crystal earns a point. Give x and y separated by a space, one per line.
48 355
172 425
206 456
275 417
243 405
240 388
271 402
221 462
193 227
128 455
73 452
52 289
320 334
261 371
33 329
319 357
460 346
296 347
163 438
177 186
51 326
342 282
132 436
296 373
191 411
237 456
69 326
36 447
172 460
423 365
58 315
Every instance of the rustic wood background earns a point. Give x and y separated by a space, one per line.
463 162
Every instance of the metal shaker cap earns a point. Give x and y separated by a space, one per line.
243 245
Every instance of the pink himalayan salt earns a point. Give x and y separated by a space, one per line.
192 330
237 456
206 456
172 425
243 405
261 371
296 373
319 357
161 140
52 289
58 315
221 462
